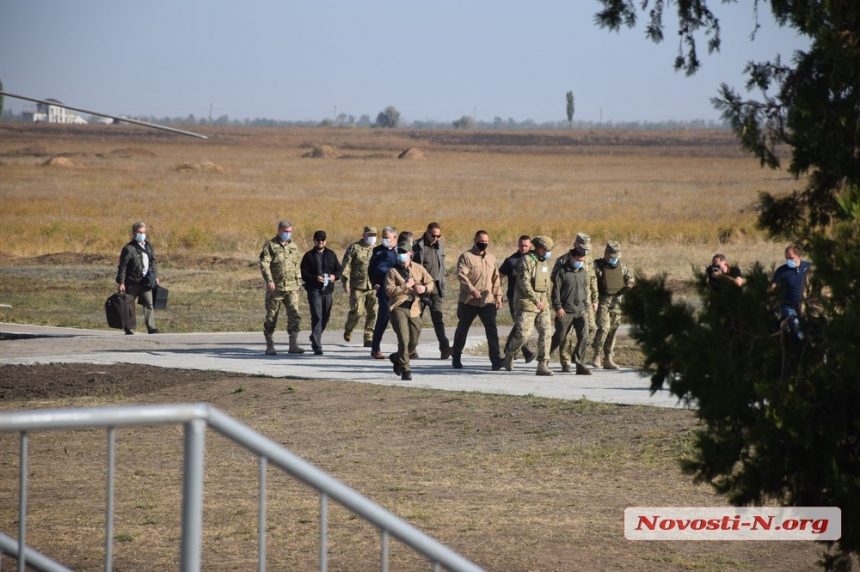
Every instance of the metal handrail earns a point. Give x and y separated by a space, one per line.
195 418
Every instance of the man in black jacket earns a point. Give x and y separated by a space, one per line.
320 270
430 253
137 274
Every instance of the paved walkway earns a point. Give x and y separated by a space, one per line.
243 352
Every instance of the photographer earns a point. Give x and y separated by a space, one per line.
719 273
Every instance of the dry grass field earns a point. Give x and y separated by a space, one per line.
516 484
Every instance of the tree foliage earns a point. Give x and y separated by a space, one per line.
465 122
388 117
779 416
570 109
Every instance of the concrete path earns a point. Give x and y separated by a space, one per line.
243 352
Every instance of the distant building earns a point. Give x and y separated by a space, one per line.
52 114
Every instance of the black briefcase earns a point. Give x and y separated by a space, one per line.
159 298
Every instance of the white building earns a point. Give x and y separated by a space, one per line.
53 114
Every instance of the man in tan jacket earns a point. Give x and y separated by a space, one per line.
405 284
480 296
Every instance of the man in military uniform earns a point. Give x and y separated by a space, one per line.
508 270
279 263
532 304
583 241
356 283
429 252
613 279
571 299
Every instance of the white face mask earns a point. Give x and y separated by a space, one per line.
386 242
370 240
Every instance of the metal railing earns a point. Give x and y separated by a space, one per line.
196 418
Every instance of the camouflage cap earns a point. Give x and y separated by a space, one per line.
582 241
543 241
405 245
613 248
369 230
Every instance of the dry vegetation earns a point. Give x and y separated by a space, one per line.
515 483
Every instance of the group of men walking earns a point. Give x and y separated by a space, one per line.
398 280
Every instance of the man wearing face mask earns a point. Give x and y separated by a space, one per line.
405 284
279 264
793 278
429 252
320 270
137 275
571 300
384 258
508 270
532 304
583 241
480 296
613 278
356 282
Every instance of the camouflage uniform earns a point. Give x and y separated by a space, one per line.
533 286
279 263
362 296
611 283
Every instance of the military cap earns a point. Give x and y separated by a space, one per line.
612 247
320 235
543 241
583 241
370 230
405 245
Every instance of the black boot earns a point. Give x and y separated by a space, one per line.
455 361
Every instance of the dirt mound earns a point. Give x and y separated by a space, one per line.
324 152
29 151
62 162
69 259
130 153
412 153
205 166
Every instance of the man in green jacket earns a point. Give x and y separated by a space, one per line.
279 264
356 283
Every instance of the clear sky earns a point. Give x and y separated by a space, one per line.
301 60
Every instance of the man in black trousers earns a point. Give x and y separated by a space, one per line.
320 270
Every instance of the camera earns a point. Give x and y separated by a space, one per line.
713 270
426 300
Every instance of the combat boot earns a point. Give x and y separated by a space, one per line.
598 361
270 345
543 369
347 335
508 363
582 370
609 364
294 344
565 368
456 363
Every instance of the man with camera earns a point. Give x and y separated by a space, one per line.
480 296
719 273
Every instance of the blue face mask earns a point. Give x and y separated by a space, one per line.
547 255
612 261
402 257
790 263
577 264
140 237
285 236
